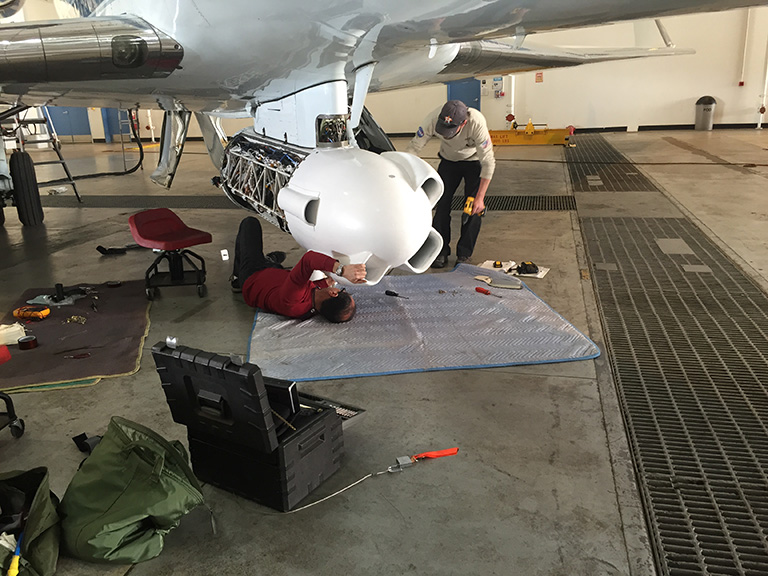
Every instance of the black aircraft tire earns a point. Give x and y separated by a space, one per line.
25 191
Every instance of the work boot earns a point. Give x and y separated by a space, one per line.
234 283
440 261
462 259
276 257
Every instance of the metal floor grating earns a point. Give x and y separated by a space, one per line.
687 336
596 166
221 202
499 203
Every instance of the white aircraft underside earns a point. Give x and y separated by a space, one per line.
292 66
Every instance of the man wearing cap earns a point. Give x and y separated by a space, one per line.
465 153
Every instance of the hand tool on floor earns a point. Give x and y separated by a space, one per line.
406 461
512 285
395 294
400 463
113 251
486 292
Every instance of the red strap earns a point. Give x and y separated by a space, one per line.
435 454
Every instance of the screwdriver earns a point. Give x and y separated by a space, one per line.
393 293
486 291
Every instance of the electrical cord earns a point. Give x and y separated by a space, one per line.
131 170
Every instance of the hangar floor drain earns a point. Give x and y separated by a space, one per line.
596 166
521 203
687 336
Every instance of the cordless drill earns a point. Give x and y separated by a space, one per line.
468 205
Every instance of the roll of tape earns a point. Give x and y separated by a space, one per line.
27 342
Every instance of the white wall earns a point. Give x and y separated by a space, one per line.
652 91
401 111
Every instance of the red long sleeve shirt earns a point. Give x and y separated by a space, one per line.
287 292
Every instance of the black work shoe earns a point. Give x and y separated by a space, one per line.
277 257
462 259
234 283
440 261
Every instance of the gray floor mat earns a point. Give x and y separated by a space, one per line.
443 324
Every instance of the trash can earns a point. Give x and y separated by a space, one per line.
705 113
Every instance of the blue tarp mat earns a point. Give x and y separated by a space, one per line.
444 324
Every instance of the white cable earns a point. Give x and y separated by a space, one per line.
340 491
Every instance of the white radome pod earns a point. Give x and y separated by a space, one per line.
361 207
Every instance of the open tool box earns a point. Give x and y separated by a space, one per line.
255 436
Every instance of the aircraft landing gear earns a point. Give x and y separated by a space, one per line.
26 194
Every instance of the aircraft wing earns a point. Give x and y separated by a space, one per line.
489 57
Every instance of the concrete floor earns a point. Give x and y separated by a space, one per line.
543 483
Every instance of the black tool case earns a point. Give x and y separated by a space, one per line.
240 440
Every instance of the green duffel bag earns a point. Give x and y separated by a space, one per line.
128 494
26 499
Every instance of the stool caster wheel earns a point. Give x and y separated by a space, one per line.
201 290
17 428
150 292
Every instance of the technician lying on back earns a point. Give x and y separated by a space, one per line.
267 285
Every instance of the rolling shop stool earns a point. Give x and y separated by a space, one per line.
161 229
9 418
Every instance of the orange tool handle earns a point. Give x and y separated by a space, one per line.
482 290
435 454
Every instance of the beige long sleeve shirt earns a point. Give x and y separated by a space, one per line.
472 143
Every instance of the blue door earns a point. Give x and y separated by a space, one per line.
70 121
467 90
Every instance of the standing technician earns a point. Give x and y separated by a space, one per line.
465 153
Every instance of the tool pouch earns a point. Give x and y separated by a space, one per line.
128 494
28 506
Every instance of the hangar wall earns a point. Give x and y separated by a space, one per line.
634 93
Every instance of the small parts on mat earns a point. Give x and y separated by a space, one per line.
61 295
505 266
527 268
395 294
75 320
27 342
78 356
512 285
486 292
32 312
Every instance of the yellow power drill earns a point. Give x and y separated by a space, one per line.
468 205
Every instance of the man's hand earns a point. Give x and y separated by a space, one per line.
355 273
478 206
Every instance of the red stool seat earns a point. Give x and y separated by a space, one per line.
162 229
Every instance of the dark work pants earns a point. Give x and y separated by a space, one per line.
249 250
452 173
